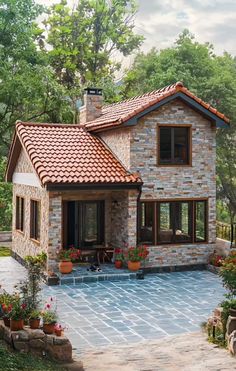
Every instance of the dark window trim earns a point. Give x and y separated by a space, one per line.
35 224
189 126
20 213
156 221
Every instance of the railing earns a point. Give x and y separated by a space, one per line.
226 232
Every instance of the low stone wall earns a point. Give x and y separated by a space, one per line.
222 247
37 342
5 236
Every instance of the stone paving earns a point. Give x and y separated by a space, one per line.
105 313
129 311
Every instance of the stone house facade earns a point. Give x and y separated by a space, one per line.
139 171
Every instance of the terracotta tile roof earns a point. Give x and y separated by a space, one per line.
116 114
68 154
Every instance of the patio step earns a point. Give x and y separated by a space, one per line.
82 275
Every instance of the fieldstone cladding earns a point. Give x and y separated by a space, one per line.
196 181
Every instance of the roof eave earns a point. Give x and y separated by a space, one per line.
94 186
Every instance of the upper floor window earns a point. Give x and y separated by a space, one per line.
174 145
35 219
20 205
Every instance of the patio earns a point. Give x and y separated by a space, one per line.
106 313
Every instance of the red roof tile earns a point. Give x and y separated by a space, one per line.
116 114
69 154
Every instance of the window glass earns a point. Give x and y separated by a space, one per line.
174 145
35 220
165 222
200 221
90 222
147 221
165 145
181 145
182 215
20 213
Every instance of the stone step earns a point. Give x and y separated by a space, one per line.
76 280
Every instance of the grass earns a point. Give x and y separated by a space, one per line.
4 251
12 361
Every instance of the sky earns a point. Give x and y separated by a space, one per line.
161 21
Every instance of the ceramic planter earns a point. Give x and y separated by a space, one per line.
65 267
118 264
6 321
58 332
134 266
48 328
16 324
34 323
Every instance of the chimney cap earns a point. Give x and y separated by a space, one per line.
93 91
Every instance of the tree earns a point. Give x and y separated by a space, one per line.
84 41
211 77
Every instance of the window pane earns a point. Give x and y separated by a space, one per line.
38 212
147 213
200 222
165 233
183 221
165 145
90 222
181 145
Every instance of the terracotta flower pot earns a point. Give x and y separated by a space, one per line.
48 328
6 321
34 323
16 324
65 267
58 332
134 266
118 264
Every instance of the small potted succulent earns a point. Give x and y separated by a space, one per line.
49 317
119 257
135 255
17 315
67 257
34 319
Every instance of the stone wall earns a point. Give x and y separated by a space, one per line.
37 342
22 244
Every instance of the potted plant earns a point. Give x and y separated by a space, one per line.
119 257
5 307
58 329
135 255
34 319
17 315
49 317
66 257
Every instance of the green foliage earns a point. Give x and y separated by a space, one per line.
12 361
35 314
4 251
19 310
49 317
228 273
5 199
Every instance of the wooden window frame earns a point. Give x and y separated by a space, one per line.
35 224
20 214
157 203
189 126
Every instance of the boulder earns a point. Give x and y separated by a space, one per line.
232 343
231 325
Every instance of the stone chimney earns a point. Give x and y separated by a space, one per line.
92 107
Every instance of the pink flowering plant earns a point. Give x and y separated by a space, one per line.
49 313
137 253
71 254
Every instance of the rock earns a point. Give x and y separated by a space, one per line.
35 334
231 325
60 353
22 346
49 339
37 344
20 335
232 342
7 335
2 330
60 340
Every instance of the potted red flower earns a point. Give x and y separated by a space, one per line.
119 257
67 257
135 255
6 310
17 315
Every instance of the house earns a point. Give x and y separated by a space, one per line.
138 171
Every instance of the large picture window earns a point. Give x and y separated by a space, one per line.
173 222
174 145
35 220
20 205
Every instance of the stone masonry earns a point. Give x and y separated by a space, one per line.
159 183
